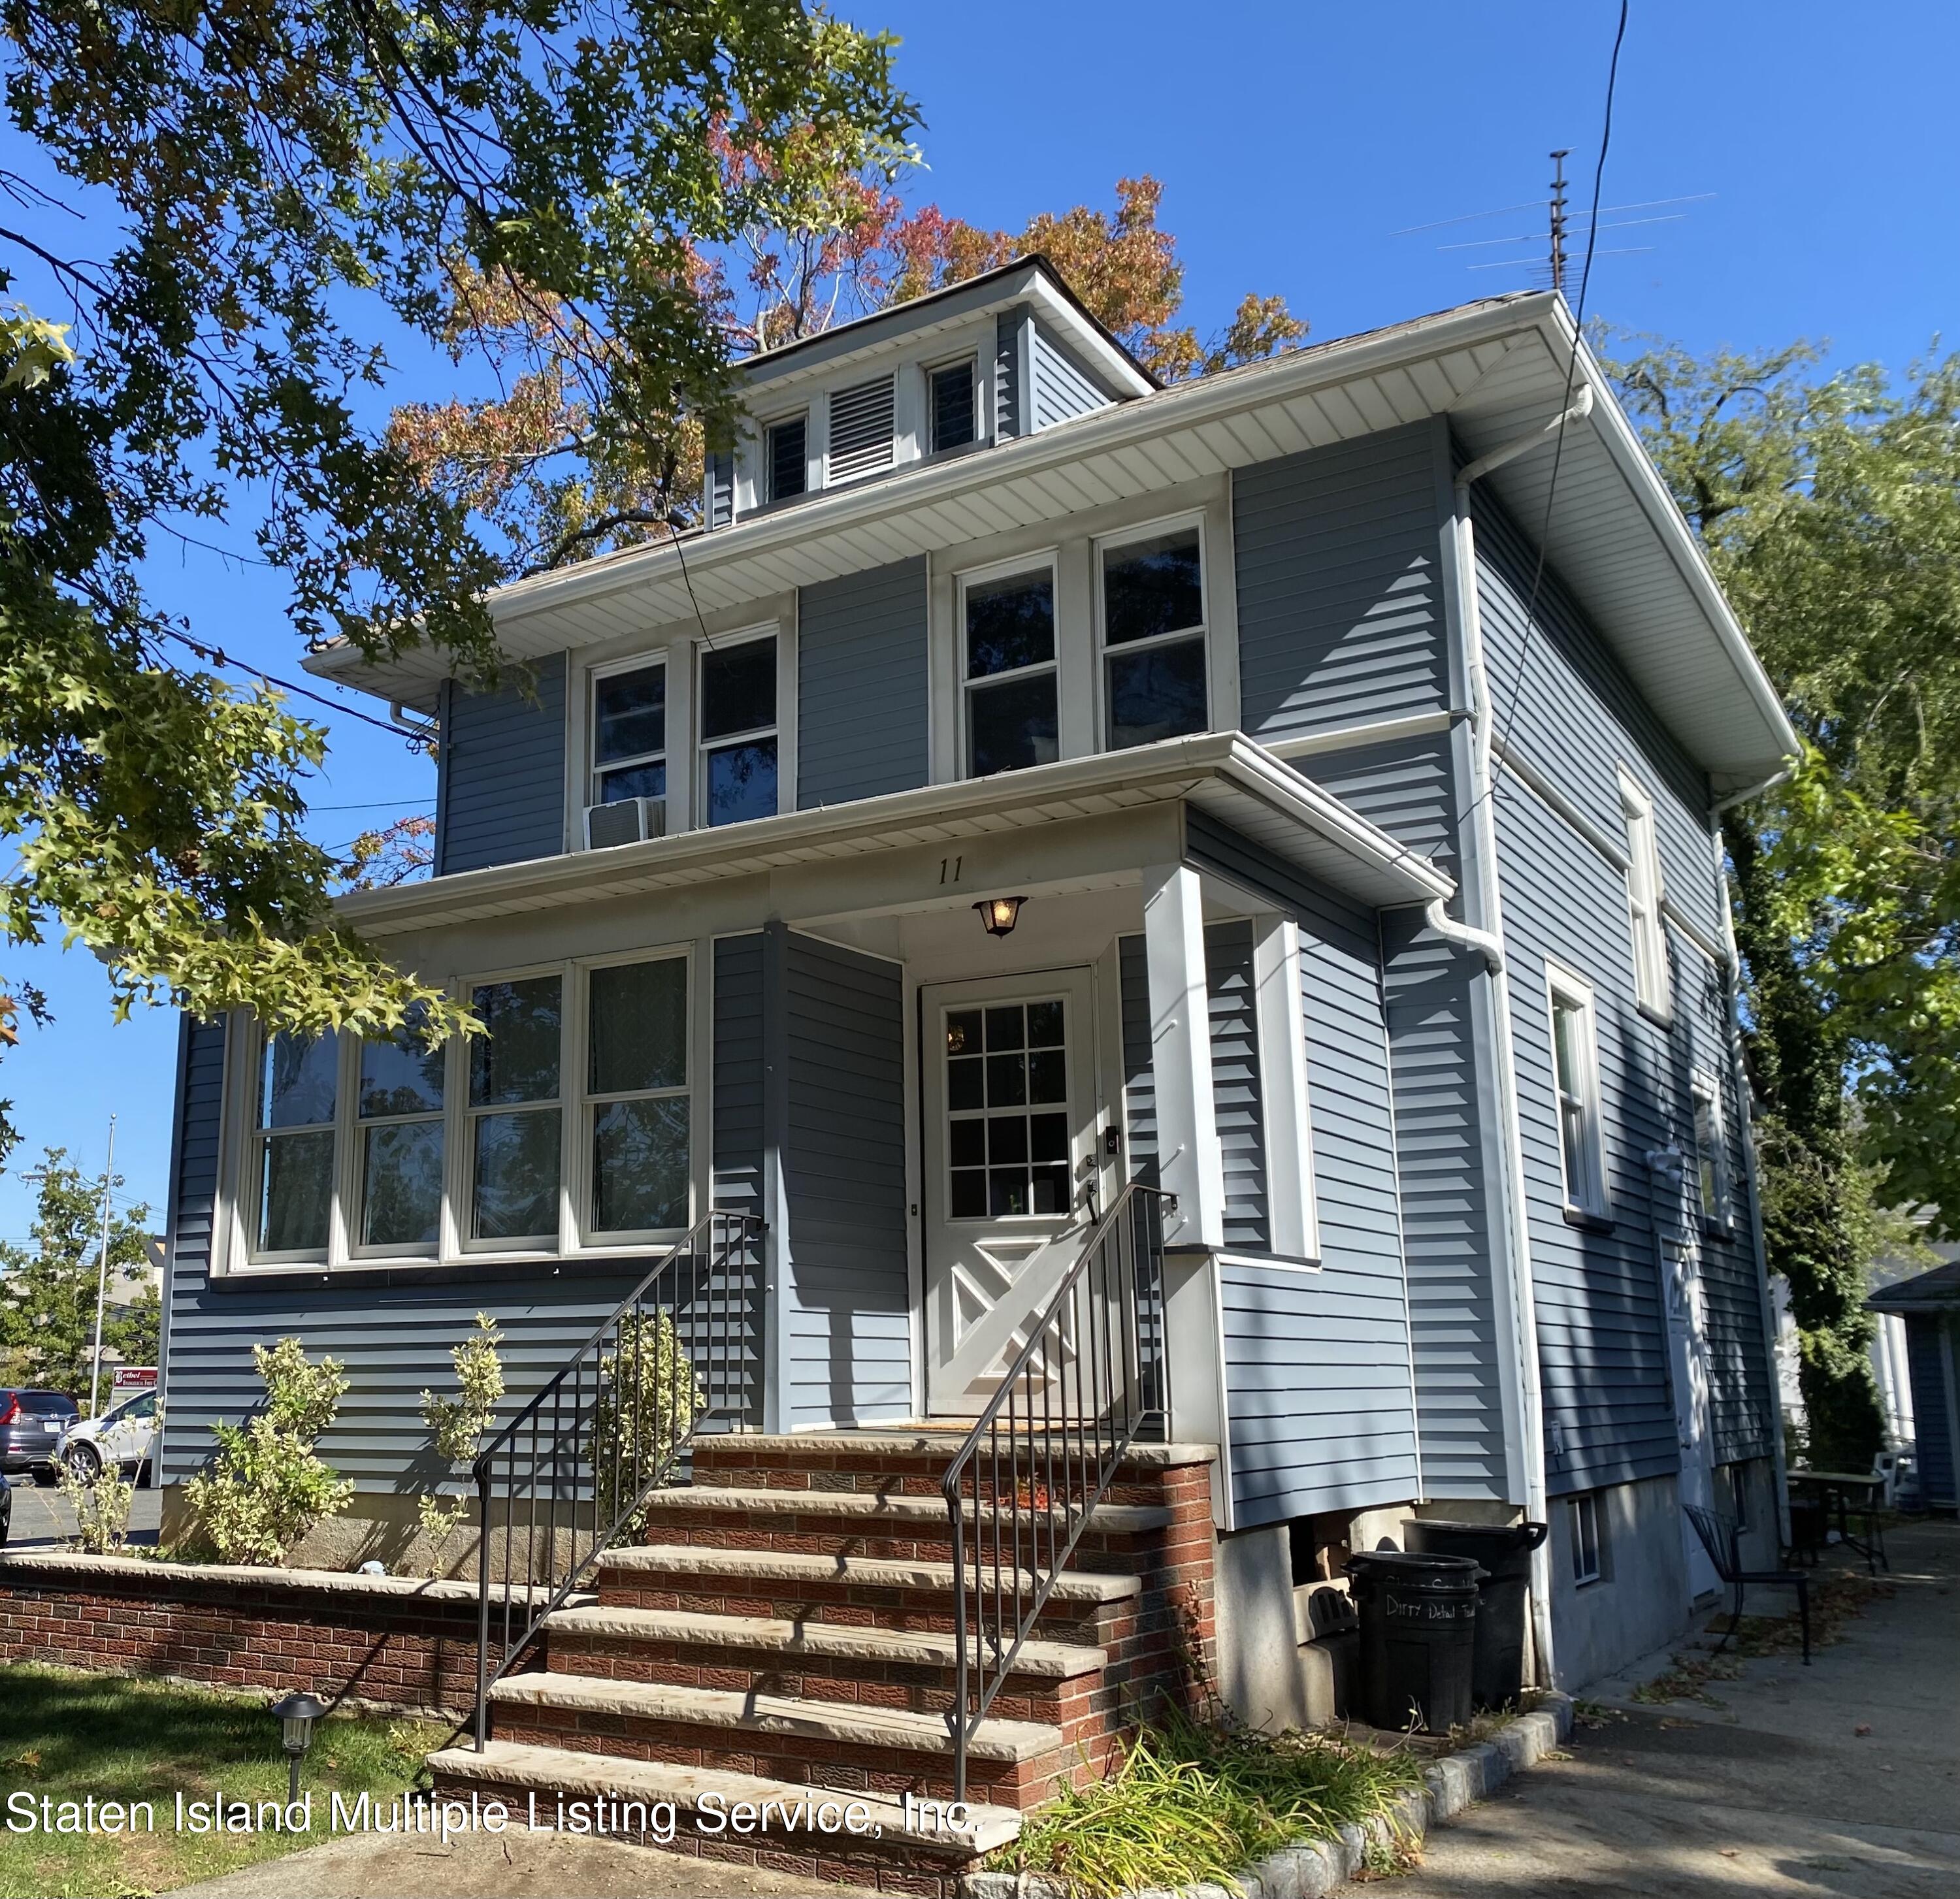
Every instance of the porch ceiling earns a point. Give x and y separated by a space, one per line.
1224 773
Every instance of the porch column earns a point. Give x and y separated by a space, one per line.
1189 1161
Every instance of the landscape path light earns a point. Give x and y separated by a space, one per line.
296 1713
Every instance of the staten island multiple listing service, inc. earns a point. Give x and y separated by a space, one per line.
713 1816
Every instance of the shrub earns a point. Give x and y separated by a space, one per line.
266 1488
457 1425
648 1400
101 1508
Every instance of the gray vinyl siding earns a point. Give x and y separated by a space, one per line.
861 691
738 1132
847 1327
1237 1094
1062 387
1340 611
1926 1351
503 773
193 1204
718 493
1140 1100
1317 1376
1013 408
1404 785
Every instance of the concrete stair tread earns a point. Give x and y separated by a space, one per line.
847 1724
1121 1519
515 1767
817 1641
915 1441
784 1566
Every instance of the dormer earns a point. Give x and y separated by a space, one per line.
1002 355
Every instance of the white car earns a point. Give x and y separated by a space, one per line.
124 1436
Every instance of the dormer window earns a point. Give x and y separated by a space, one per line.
952 406
860 430
787 457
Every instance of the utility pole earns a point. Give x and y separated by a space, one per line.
102 1276
1558 159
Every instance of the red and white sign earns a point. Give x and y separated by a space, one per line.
133 1378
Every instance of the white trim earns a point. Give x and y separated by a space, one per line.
1703 1088
1584 1510
1653 987
1291 1175
1573 995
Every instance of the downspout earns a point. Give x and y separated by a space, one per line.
1488 943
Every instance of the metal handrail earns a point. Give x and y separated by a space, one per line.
1089 1380
580 1460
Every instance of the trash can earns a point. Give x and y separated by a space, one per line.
1497 1675
1418 1637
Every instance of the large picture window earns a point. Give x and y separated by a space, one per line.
1153 638
637 1097
1012 714
514 1129
298 1095
739 735
629 734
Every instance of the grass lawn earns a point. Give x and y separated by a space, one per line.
68 1735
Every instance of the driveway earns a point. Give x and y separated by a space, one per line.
1840 1779
43 1519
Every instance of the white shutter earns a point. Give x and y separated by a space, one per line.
860 430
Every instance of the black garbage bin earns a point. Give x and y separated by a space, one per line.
1497 1675
1418 1637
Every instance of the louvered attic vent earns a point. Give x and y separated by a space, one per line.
860 430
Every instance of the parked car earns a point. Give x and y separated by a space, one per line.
123 1436
6 1512
31 1424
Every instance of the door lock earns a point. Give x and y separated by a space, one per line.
1112 1141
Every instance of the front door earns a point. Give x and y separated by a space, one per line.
1688 1344
1011 1165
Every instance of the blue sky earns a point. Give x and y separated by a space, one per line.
1294 144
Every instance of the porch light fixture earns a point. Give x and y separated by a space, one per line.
1000 914
296 1713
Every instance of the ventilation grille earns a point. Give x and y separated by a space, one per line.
860 430
625 821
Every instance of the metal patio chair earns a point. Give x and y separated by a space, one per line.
1722 1540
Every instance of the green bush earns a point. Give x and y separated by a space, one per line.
101 1508
266 1488
648 1400
457 1425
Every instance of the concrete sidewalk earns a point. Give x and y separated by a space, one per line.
1842 1779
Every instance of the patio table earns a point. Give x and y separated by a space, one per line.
1838 1486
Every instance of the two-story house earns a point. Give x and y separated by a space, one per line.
1295 789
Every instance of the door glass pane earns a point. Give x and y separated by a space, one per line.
297 1193
639 1027
1152 587
1156 694
633 781
640 1165
1012 725
1047 1075
630 714
401 1172
1009 623
516 1059
742 782
738 689
400 1076
1004 1163
516 1176
963 1031
298 1080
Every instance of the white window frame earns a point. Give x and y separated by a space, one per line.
931 449
251 1170
351 1181
460 1154
595 675
1704 1092
1589 1198
581 1186
1653 987
765 457
1034 561
1587 1522
781 730
1103 545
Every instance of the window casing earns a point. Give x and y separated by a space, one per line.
1711 1154
1652 986
953 404
740 739
629 733
514 1115
785 470
1152 626
400 1087
1575 1062
1010 715
295 1148
1588 1546
635 1126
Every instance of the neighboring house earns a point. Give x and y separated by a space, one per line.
1927 1308
1364 809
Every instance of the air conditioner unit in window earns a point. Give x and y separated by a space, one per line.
625 821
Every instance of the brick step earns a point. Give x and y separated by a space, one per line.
818 1522
1060 1683
904 1856
848 1748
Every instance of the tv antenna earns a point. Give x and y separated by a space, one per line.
1558 159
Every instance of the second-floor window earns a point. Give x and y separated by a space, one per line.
953 404
786 458
629 734
1575 1059
1012 711
1644 893
1711 1157
1153 643
739 752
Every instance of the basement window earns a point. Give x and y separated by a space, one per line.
1589 1548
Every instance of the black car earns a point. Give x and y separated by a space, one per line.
31 1424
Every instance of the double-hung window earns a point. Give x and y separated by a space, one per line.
1012 714
1711 1159
629 734
1651 981
636 1100
514 1114
785 473
1575 1060
293 1146
739 751
1153 643
398 1104
952 389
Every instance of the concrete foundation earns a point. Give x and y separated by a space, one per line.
1641 1602
377 1526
